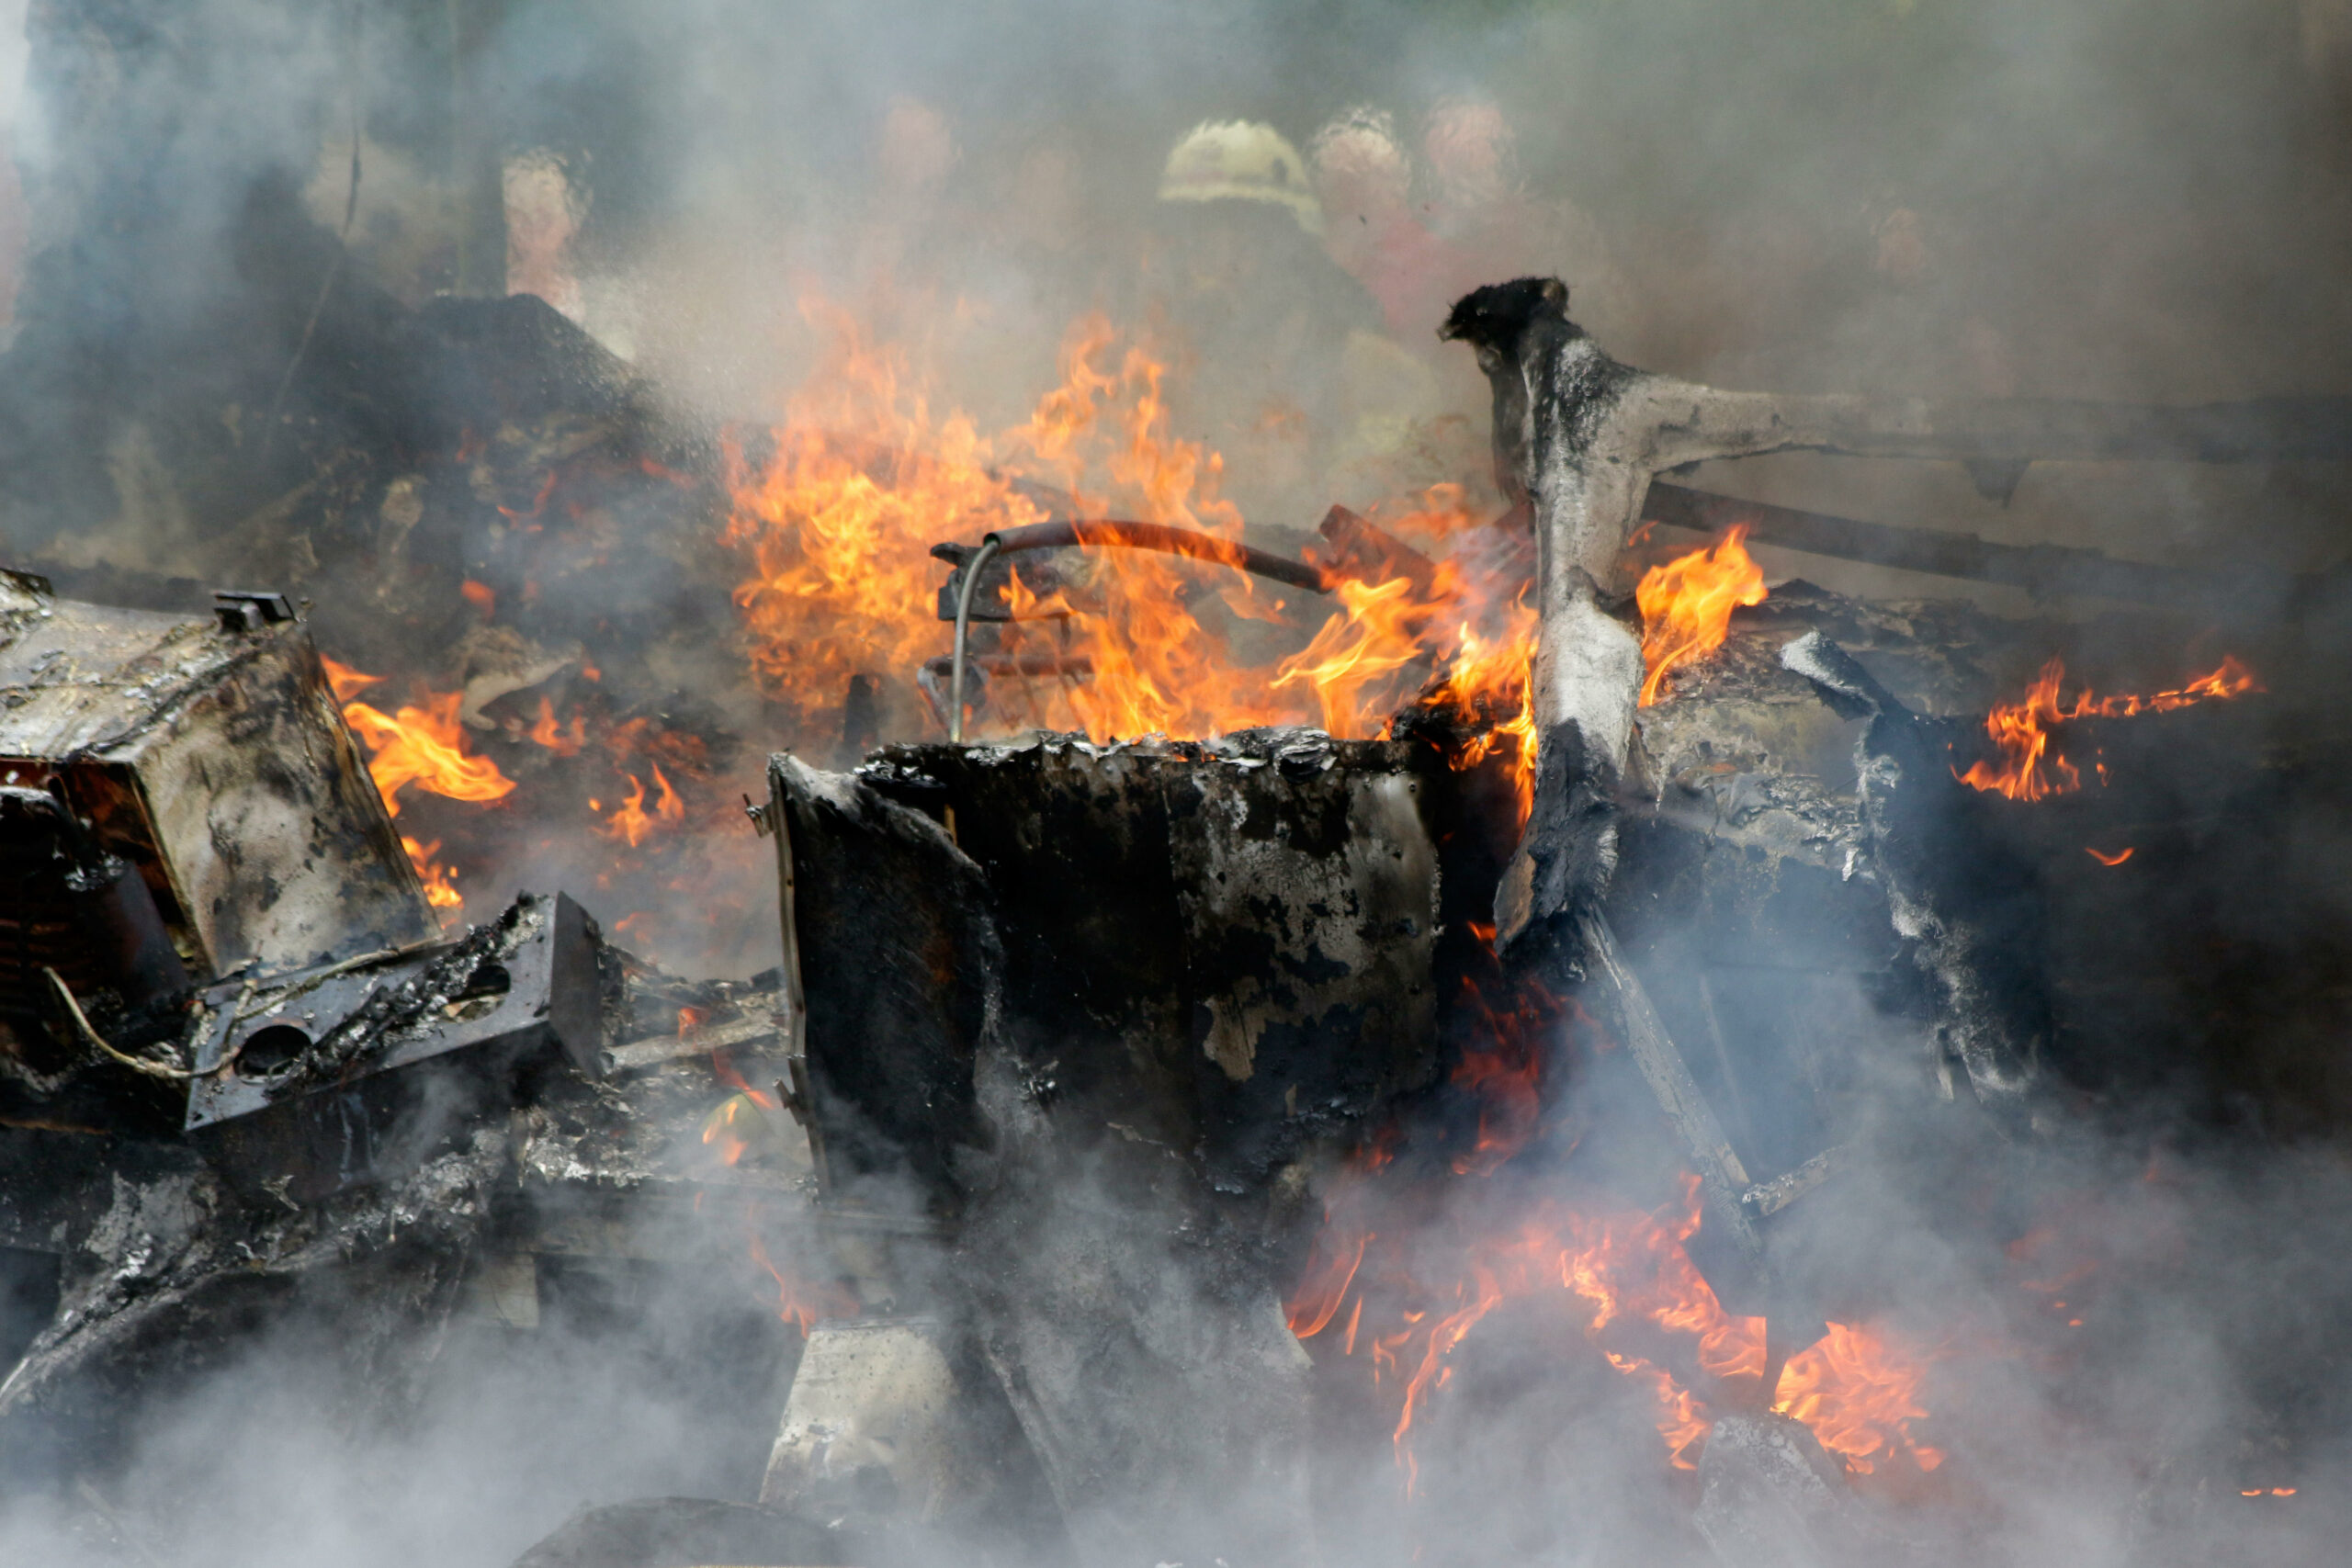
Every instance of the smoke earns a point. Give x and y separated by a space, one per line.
2130 200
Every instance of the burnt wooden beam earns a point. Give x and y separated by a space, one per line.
2043 571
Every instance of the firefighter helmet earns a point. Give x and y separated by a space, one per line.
1239 160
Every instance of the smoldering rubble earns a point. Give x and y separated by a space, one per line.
858 991
1045 1129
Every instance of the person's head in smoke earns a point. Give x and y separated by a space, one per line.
544 210
1241 208
1366 181
1259 312
1899 247
1471 156
1221 164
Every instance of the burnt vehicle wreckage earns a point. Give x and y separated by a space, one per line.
1070 1041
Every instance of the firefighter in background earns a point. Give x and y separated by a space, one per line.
1365 182
1286 372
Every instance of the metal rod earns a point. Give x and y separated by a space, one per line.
1116 533
972 569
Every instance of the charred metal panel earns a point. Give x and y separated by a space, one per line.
898 962
215 762
1225 947
343 1074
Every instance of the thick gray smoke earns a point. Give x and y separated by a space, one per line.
2140 200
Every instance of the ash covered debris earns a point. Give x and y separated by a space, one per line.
318 1081
517 1190
185 804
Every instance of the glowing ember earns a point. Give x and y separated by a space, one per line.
1687 604
2118 858
1502 1077
2030 768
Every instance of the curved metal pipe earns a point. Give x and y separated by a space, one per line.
1167 539
989 546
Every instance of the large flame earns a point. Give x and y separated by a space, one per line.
2029 766
838 523
863 477
1687 604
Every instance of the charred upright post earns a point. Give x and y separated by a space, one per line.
1578 437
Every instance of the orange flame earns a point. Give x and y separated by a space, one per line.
630 822
799 1301
1855 1389
2029 769
1859 1397
440 882
1490 687
1379 635
424 745
837 526
561 742
1325 1286
722 1067
1687 604
2118 858
345 681
718 1131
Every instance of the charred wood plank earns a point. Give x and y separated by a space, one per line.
2040 570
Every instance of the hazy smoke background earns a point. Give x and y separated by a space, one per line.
2139 199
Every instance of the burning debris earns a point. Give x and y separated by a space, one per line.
1275 1027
